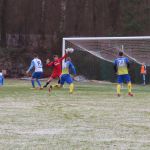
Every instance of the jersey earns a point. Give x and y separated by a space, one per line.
37 65
68 67
143 69
121 64
57 66
1 79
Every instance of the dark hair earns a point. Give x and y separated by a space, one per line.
68 59
55 56
120 53
35 55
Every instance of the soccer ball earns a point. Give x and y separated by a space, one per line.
69 50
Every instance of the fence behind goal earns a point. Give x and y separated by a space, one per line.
94 56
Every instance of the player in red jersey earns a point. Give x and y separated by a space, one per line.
57 69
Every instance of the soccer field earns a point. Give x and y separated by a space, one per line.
93 118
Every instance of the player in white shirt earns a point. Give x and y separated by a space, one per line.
36 63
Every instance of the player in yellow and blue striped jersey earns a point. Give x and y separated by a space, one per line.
67 69
121 66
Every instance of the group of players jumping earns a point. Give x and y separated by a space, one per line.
60 70
63 70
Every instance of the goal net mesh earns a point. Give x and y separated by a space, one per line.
94 57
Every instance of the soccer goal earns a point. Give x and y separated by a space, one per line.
94 55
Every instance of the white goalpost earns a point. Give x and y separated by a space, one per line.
137 48
94 56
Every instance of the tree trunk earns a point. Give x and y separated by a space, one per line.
3 42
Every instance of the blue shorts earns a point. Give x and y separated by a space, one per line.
1 81
37 75
66 78
122 78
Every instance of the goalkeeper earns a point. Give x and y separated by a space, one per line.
121 66
67 69
56 64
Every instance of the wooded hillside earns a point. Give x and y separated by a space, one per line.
27 26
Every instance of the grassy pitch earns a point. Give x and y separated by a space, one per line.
93 118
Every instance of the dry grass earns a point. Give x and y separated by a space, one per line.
93 118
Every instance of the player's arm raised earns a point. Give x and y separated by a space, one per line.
64 57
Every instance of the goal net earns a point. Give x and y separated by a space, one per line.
94 56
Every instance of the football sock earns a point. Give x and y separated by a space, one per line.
38 82
47 83
33 85
71 88
129 87
118 88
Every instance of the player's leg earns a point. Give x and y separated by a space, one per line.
38 76
120 81
69 80
71 88
59 81
39 83
1 81
59 85
32 79
144 78
128 80
130 89
48 82
32 82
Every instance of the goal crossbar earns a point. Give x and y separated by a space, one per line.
108 38
127 38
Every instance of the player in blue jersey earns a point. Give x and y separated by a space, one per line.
1 79
121 66
36 64
67 69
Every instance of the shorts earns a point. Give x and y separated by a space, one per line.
1 81
37 75
55 75
66 78
125 77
